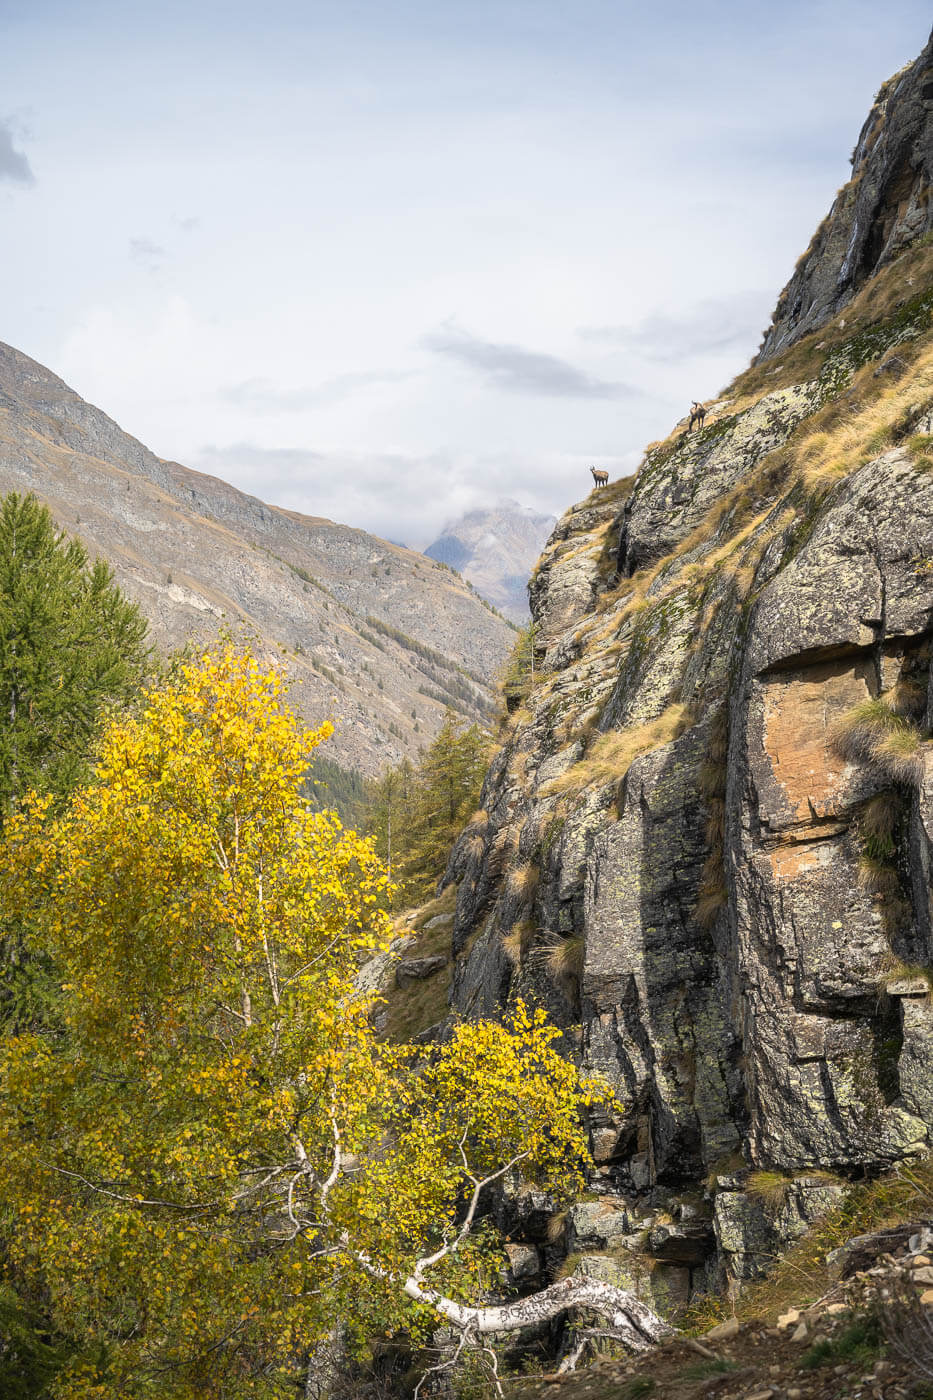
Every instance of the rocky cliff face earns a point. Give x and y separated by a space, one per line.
883 209
706 841
377 636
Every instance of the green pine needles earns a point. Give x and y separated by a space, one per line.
71 647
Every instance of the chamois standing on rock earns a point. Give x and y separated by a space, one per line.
601 478
697 415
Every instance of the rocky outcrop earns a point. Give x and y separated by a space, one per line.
883 209
838 625
708 840
377 637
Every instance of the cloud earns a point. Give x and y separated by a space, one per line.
402 495
385 493
261 395
731 322
13 164
188 224
150 255
518 371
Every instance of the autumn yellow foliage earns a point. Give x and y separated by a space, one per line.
211 1159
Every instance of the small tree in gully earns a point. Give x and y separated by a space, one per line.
216 1162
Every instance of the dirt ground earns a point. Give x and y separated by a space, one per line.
838 1360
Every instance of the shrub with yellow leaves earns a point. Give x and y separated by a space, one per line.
213 1162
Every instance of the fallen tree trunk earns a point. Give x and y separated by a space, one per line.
637 1326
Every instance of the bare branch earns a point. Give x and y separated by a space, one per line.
337 1163
494 1365
447 1365
451 1246
222 1006
133 1200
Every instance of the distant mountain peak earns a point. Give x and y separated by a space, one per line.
495 548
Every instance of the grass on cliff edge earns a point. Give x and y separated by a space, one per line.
879 300
802 1275
610 755
842 443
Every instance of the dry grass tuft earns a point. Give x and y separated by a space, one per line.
523 883
610 755
879 418
879 877
898 971
920 447
909 697
873 732
563 959
712 898
878 823
769 1187
556 1226
518 940
900 756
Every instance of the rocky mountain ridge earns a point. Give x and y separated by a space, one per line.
705 845
883 209
376 636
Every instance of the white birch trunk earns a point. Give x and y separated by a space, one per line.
638 1327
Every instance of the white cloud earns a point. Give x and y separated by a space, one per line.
262 396
515 370
710 326
403 497
147 253
14 166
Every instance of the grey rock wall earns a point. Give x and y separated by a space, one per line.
883 208
699 855
731 963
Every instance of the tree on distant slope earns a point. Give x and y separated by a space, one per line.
217 1164
518 674
416 812
70 646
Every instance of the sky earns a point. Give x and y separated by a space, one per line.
387 261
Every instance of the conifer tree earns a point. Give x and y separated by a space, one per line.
518 675
416 813
71 646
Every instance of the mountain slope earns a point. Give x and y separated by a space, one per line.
378 637
496 550
705 845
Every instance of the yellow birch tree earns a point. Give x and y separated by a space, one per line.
214 1162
